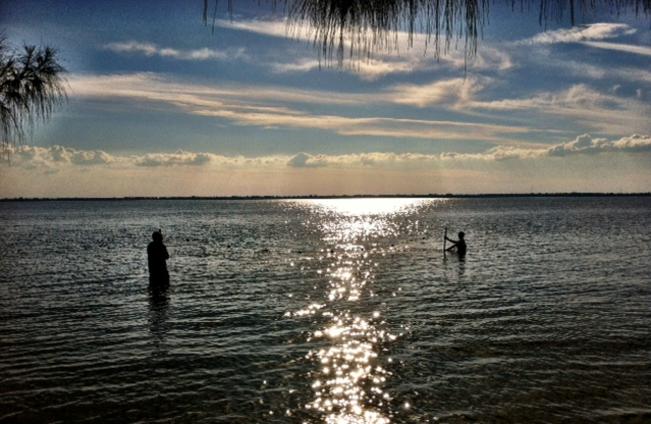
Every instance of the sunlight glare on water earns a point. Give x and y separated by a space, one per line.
351 221
365 206
349 384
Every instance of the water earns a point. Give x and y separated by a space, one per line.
336 311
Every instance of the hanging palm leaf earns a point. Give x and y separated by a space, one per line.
31 86
364 26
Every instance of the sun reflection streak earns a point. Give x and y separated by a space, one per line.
350 380
360 207
349 383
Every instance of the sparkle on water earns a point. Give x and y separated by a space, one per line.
349 383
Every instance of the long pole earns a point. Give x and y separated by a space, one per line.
445 238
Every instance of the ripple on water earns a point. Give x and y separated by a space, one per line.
327 311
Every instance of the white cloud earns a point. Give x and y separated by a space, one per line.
402 54
268 106
150 49
57 157
583 164
274 28
283 107
607 113
583 144
583 69
579 95
179 158
47 158
52 157
627 48
591 32
411 60
302 65
366 69
303 160
592 36
586 144
157 87
452 91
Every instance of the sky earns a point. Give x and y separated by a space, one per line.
160 105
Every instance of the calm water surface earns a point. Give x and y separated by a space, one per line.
327 311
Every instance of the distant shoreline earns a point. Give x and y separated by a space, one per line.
355 196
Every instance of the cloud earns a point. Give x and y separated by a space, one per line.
591 32
592 36
47 158
583 69
627 48
452 91
271 107
578 95
607 113
179 158
274 28
157 87
150 49
411 60
404 54
301 65
633 143
370 126
585 144
274 107
54 159
57 156
304 160
367 69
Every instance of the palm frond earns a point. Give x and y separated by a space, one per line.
365 26
31 87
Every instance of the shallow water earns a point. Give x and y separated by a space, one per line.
327 311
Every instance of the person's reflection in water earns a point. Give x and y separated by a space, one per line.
462 267
159 278
460 261
158 306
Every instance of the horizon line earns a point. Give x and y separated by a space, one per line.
334 196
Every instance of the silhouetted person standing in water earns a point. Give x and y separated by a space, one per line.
156 257
460 244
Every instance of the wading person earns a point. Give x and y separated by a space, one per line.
460 244
157 254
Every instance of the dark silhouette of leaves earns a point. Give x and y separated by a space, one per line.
31 86
365 26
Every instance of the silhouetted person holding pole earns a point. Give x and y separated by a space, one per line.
460 244
157 254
